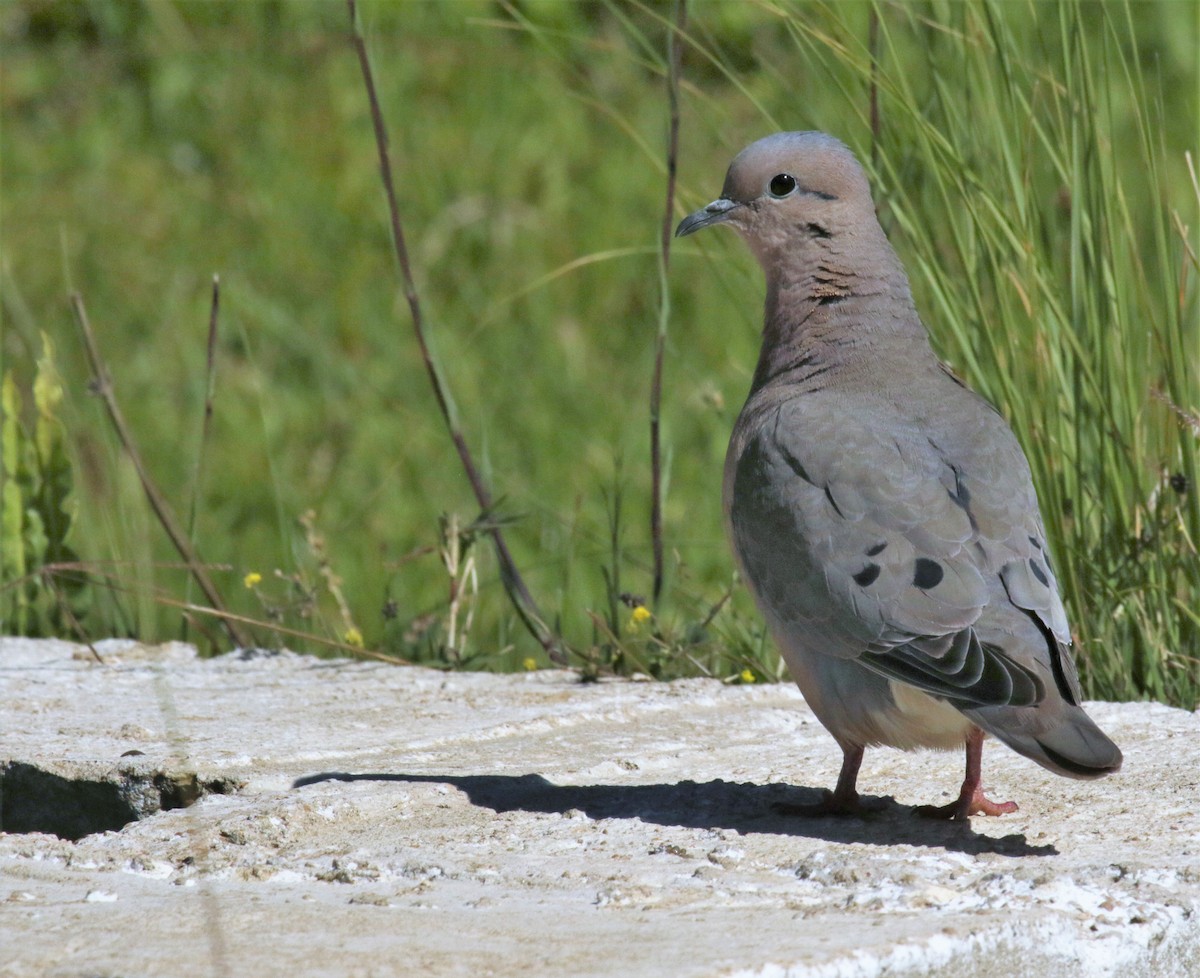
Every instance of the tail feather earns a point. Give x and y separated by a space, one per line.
1068 743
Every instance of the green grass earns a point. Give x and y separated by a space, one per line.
1029 166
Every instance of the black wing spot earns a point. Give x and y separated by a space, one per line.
961 495
836 508
927 573
1036 542
877 549
795 465
867 575
1039 573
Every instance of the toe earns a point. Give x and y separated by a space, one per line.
966 806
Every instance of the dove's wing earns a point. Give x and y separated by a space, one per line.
901 549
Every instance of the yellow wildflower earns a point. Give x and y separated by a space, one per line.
529 663
253 579
637 618
353 637
747 676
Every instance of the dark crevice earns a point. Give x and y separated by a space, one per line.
35 800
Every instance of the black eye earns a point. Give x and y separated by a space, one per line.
781 184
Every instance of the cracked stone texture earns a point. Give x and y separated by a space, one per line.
385 821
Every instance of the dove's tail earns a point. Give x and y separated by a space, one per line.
1068 742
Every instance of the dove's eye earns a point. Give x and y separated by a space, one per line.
781 185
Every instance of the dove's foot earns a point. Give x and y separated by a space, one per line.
974 803
971 799
843 800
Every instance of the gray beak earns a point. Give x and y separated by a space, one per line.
716 212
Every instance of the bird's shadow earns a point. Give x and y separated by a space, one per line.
746 808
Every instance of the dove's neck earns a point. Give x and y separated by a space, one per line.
837 308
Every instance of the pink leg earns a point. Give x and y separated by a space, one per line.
843 800
971 799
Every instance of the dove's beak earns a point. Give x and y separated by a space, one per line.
716 212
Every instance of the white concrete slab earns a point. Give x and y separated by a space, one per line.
400 821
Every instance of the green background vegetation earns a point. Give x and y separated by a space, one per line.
1029 165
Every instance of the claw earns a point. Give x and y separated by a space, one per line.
959 810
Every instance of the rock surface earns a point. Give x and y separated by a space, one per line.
356 819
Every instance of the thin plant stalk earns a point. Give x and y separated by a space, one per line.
210 374
52 583
102 384
674 48
514 584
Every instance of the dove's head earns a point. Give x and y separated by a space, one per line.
787 188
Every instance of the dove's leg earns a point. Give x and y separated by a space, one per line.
843 800
971 799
